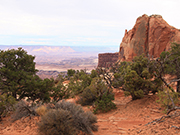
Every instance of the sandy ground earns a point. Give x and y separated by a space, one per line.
130 117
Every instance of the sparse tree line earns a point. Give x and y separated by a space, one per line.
140 77
24 93
145 75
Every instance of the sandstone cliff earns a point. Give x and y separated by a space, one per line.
150 35
107 59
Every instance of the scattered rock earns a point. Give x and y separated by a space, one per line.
120 128
102 120
112 118
104 128
114 123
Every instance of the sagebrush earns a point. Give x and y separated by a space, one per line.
57 122
75 120
23 109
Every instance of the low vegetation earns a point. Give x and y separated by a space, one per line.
99 95
57 122
6 104
148 75
137 77
44 97
23 109
66 119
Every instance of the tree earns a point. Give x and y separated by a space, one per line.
6 104
137 78
59 92
16 68
71 72
170 63
120 70
37 89
79 82
99 94
93 74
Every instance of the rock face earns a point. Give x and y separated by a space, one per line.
150 35
107 59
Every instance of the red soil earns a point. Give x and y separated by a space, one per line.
130 117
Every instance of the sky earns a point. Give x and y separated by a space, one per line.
77 22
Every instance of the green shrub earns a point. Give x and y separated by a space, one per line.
57 122
99 93
93 74
87 97
59 92
165 101
74 87
137 78
134 84
6 104
105 104
77 86
120 70
70 72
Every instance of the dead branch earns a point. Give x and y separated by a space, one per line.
161 71
161 118
158 120
173 109
175 80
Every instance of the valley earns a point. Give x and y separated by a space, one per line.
51 60
48 69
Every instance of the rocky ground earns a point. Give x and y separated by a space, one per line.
131 117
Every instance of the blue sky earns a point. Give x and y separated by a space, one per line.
77 22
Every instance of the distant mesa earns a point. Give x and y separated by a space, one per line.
41 50
53 49
150 35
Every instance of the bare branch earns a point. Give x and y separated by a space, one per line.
176 80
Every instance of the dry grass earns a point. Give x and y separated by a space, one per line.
42 110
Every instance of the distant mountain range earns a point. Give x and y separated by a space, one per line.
42 50
45 49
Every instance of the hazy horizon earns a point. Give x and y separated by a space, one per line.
95 49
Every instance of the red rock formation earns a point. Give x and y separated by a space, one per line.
107 59
150 35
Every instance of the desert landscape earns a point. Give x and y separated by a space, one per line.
131 116
97 67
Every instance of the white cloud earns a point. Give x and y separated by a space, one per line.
62 22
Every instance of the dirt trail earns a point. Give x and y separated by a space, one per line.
130 117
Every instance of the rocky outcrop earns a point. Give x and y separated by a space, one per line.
107 59
150 35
